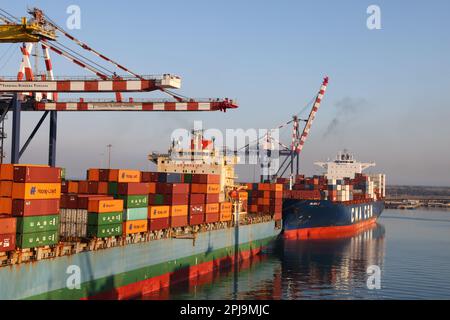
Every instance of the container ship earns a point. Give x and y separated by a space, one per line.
120 234
341 201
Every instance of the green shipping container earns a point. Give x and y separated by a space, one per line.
104 231
135 214
158 199
112 189
37 224
134 201
105 218
38 239
187 178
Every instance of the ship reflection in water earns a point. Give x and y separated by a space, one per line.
309 269
330 268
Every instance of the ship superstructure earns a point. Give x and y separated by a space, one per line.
200 157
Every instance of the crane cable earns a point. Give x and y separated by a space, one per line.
281 125
86 47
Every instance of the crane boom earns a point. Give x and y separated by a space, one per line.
312 115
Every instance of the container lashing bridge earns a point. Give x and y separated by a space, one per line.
33 92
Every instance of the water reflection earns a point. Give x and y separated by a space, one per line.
334 267
306 269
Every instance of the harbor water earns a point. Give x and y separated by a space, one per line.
410 248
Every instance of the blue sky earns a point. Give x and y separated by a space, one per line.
388 92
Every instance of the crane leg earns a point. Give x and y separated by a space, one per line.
15 145
52 139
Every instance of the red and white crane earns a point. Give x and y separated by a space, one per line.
32 92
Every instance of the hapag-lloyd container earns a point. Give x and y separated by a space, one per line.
30 191
37 224
37 174
96 205
135 226
120 175
157 212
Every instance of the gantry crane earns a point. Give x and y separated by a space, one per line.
267 142
30 92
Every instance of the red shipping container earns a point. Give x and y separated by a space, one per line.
212 198
149 176
103 175
212 217
176 199
69 201
205 178
83 187
25 208
172 188
37 174
179 221
196 209
97 187
197 198
196 219
7 225
158 224
132 188
7 242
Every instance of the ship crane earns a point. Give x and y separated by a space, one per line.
32 92
292 152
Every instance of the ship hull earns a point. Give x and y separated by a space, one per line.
131 271
307 219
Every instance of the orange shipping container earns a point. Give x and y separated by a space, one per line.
178 211
152 187
213 188
134 226
264 186
120 175
5 205
226 216
212 208
6 172
205 188
243 195
276 187
102 206
36 191
93 174
6 188
73 186
225 207
156 212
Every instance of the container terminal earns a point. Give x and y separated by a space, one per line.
132 232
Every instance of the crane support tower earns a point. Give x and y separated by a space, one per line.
33 92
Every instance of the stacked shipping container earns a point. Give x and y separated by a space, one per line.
265 198
362 187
